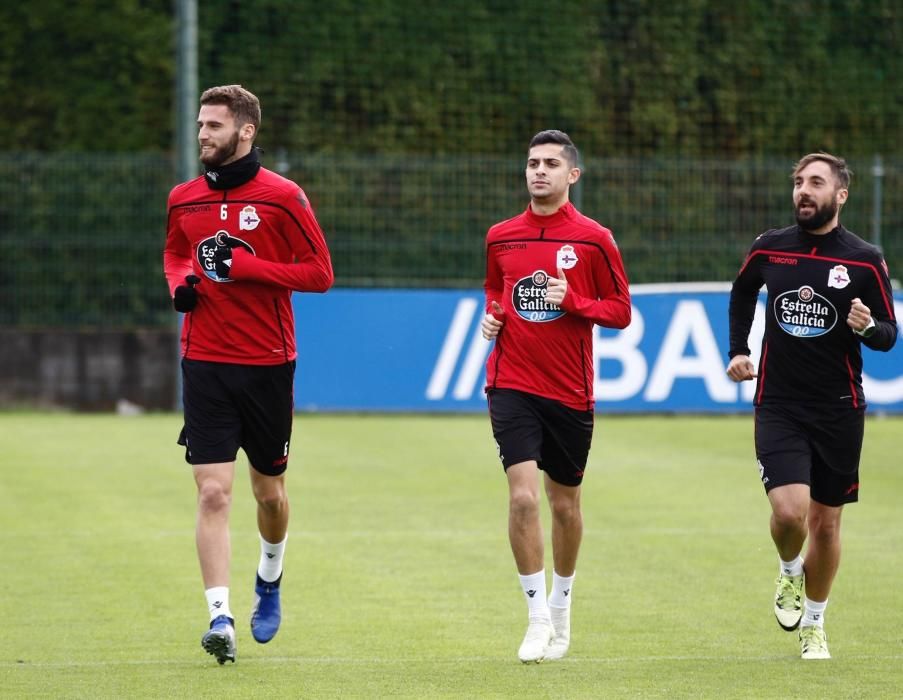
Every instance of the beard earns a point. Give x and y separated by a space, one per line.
818 218
221 154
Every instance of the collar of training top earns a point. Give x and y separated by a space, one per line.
234 174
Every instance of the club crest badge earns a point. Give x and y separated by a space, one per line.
248 219
838 277
566 258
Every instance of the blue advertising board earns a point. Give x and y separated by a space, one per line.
421 350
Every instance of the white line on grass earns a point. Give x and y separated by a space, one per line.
384 661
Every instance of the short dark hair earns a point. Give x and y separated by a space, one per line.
556 136
243 104
838 166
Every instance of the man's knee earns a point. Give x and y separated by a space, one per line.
270 495
564 502
824 524
566 510
523 503
790 506
788 517
213 496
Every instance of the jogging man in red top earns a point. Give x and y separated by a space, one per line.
828 295
551 274
240 239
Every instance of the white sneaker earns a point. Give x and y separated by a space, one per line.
813 643
788 601
536 641
561 633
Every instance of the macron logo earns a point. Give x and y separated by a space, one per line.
531 593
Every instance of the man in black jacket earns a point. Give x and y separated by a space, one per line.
828 294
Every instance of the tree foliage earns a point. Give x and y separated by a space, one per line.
86 76
636 77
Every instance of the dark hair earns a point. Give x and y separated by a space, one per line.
243 104
555 136
838 166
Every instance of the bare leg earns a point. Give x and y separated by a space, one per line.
567 525
823 552
789 511
524 525
214 484
272 505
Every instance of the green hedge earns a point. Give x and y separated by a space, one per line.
630 78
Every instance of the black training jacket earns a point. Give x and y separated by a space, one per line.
809 353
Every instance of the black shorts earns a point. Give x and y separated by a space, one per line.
228 406
818 446
529 427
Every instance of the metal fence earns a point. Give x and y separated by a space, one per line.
81 235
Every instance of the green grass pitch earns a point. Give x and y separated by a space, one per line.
399 581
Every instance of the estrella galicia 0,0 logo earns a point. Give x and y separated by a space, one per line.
529 299
208 247
804 313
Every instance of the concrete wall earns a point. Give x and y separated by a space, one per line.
89 370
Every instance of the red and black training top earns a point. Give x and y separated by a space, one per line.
809 353
247 317
543 349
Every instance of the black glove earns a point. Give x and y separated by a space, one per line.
186 296
222 256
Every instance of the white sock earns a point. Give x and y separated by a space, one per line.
218 602
560 596
813 614
270 567
534 586
792 568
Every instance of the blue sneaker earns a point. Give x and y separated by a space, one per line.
219 640
267 611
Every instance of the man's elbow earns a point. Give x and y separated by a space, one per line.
324 281
885 344
622 320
